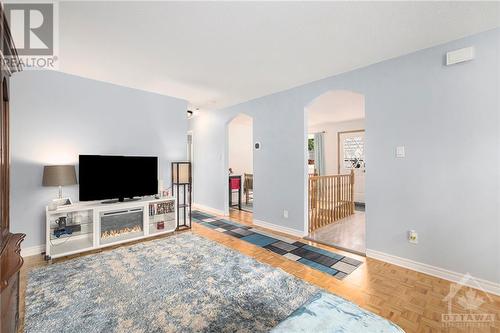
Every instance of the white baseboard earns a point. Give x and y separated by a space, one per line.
275 227
474 282
208 209
32 250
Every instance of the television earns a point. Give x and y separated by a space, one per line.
103 177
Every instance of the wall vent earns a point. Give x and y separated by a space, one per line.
458 56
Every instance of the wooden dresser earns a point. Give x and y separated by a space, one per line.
10 244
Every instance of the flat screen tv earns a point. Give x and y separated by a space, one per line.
104 177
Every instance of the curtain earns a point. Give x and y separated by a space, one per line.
319 154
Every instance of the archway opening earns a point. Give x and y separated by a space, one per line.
240 164
336 167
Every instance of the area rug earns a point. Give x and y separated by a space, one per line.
325 312
332 263
183 283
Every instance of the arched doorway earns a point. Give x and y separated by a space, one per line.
336 143
239 167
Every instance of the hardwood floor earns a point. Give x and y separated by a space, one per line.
347 233
413 300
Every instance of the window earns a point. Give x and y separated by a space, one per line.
354 153
310 151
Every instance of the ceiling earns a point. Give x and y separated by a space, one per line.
336 106
216 54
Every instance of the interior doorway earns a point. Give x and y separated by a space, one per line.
336 170
240 163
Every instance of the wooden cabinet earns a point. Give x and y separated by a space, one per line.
10 244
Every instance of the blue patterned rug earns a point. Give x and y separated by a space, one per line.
326 261
325 312
181 283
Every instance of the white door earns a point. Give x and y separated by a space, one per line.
351 156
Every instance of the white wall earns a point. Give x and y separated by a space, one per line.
331 140
55 117
240 156
447 188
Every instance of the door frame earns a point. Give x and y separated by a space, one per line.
226 158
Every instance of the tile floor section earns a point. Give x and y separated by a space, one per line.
326 261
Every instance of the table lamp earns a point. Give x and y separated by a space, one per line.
59 175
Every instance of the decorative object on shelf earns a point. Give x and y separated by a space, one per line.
59 175
61 227
61 222
160 225
165 193
161 208
181 186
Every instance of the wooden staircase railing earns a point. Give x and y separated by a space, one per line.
331 198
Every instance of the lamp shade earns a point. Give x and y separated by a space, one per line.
59 175
181 173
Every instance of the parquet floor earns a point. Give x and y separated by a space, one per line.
347 233
410 299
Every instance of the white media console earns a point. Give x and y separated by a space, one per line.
87 226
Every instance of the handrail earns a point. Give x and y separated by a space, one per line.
331 198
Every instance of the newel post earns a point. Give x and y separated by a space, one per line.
352 190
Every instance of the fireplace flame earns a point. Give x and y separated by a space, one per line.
114 233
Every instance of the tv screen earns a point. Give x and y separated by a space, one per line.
117 177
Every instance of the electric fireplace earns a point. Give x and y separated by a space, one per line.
121 225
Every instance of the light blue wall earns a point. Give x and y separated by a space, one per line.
55 117
447 188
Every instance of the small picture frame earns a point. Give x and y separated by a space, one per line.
56 203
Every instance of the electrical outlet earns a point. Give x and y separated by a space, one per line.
285 213
413 237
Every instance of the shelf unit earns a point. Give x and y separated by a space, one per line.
85 224
161 217
74 242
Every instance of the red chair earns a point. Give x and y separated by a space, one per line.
234 185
